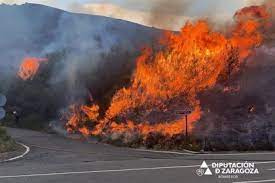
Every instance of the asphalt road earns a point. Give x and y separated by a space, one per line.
59 160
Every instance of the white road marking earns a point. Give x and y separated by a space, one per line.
257 181
121 170
206 154
272 169
240 154
164 152
96 171
20 156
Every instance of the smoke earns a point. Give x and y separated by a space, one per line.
89 42
164 13
168 14
21 36
86 55
242 117
97 50
85 40
144 17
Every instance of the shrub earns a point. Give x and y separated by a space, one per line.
6 143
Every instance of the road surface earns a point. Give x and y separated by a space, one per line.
59 160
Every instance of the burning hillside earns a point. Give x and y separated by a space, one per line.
29 67
253 12
171 77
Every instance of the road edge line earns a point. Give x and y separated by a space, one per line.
164 152
98 171
188 152
27 150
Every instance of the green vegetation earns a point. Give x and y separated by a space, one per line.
6 143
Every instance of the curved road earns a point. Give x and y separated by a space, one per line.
59 160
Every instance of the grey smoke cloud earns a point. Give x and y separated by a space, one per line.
161 13
86 40
162 8
158 13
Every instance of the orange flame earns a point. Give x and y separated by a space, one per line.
168 79
253 12
78 117
193 60
165 128
29 67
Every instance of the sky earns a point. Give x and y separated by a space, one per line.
167 14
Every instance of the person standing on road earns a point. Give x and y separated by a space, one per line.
16 117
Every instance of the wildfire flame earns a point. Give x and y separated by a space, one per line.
29 67
78 117
253 12
169 78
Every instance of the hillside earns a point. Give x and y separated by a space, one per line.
35 30
86 54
